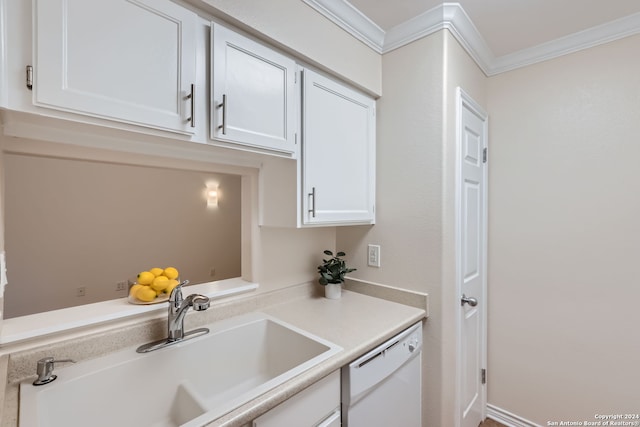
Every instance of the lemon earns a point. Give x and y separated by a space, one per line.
145 278
160 283
171 273
146 294
156 271
134 289
172 284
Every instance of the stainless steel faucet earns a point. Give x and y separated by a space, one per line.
178 307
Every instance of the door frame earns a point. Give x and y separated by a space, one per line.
463 100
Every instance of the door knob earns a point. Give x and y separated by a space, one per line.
471 301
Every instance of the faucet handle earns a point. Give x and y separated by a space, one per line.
176 293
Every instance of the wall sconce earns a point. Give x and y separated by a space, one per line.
212 196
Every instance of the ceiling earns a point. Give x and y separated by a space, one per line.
499 34
508 26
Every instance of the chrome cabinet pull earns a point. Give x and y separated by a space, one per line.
468 300
30 77
192 97
223 105
312 195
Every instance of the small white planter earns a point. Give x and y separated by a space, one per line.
333 290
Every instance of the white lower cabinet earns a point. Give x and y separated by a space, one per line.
132 61
316 406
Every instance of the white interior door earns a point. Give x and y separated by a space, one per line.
471 259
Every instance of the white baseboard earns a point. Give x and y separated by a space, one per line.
507 418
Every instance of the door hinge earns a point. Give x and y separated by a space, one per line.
484 155
483 376
30 77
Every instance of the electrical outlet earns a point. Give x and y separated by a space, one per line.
81 291
212 272
121 286
373 255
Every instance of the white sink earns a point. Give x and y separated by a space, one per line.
187 384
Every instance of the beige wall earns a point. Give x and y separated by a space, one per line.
289 256
415 197
408 172
564 236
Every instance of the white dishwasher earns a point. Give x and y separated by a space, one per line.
383 387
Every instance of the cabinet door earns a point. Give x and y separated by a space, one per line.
253 93
333 420
129 60
338 153
318 405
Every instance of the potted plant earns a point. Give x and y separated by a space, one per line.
332 272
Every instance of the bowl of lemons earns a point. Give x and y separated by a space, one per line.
154 285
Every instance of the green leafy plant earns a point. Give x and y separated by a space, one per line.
333 269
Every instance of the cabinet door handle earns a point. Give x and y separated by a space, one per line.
223 105
30 77
312 195
192 97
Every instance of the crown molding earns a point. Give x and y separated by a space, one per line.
415 28
451 16
595 36
350 19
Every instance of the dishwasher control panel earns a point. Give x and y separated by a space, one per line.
375 366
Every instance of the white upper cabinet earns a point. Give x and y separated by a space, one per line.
338 153
133 61
253 94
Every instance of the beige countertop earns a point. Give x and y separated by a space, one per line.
356 322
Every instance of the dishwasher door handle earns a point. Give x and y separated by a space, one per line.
380 353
